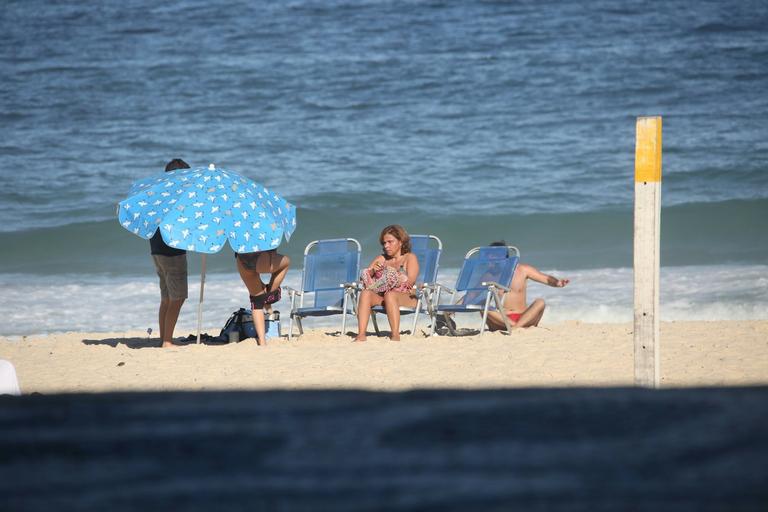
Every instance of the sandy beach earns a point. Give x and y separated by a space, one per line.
568 354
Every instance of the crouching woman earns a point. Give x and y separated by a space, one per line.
389 280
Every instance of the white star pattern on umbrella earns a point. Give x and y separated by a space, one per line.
172 200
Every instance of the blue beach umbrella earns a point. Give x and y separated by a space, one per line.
200 209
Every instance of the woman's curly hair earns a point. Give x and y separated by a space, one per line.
399 232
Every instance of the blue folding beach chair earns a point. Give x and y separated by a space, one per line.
328 282
484 275
427 249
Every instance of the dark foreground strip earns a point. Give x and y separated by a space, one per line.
447 450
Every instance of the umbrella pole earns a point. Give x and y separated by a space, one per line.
200 303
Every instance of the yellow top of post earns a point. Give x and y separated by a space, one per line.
648 149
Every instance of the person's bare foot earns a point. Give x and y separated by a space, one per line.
394 338
360 338
261 343
169 344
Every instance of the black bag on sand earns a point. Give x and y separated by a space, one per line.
446 326
241 321
207 338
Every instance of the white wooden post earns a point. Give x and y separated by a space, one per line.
646 250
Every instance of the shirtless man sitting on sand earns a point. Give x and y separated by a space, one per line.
515 302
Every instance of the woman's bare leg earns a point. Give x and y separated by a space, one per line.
392 303
278 267
251 279
495 322
261 329
255 285
532 315
270 263
536 320
368 299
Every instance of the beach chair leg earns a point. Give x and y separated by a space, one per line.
433 319
426 304
375 323
291 315
298 324
433 302
344 314
416 317
500 308
485 311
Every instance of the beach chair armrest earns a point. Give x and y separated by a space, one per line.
354 285
442 287
495 285
422 290
292 291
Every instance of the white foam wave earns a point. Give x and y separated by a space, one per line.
46 304
694 293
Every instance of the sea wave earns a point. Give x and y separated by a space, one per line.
694 234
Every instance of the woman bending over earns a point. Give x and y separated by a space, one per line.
251 266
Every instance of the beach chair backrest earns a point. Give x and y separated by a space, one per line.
428 257
327 265
485 264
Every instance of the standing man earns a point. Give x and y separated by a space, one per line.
515 305
171 265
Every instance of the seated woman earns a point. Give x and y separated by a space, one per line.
388 280
251 266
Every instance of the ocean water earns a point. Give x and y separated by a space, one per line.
473 121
